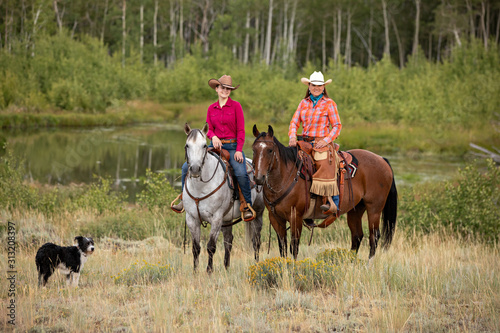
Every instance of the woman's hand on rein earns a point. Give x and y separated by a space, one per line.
238 157
216 142
320 144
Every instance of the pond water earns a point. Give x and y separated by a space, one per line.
64 156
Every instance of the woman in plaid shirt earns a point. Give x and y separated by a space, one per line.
320 126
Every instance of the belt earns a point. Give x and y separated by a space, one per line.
229 140
311 138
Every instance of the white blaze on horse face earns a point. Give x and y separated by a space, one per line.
196 150
259 167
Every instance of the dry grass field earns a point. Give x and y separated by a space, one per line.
422 284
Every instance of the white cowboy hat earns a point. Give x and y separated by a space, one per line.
316 78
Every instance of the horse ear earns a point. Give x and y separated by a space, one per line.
187 129
255 130
205 129
270 131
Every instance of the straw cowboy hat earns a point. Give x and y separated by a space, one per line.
225 80
316 78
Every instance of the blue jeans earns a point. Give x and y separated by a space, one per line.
240 171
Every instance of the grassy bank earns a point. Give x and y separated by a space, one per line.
423 283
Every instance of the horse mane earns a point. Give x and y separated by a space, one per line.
288 154
193 133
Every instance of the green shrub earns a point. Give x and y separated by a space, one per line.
338 257
304 275
100 197
127 224
157 192
145 274
467 206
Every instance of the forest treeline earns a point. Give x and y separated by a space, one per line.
278 32
86 56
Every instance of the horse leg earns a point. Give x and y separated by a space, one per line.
373 225
295 231
254 229
194 227
228 245
279 226
354 221
212 244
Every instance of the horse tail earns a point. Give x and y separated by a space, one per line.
390 213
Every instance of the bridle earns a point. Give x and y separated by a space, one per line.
272 204
198 199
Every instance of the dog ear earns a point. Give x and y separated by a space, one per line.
77 239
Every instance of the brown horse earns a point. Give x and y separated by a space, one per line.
372 190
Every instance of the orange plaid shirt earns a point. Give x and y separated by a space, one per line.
316 121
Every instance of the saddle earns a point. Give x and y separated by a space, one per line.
347 166
224 156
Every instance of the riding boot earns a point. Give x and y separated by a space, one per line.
179 208
247 212
330 207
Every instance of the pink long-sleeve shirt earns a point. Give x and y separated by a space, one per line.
227 122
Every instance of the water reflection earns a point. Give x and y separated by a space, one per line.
64 156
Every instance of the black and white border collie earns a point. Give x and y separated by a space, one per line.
69 260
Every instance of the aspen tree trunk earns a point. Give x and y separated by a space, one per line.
173 33
498 28
438 56
58 16
104 20
323 47
348 51
257 30
472 27
141 41
309 42
124 30
247 38
285 32
400 47
483 26
155 33
291 45
387 46
336 55
267 51
370 34
430 47
35 21
417 26
181 26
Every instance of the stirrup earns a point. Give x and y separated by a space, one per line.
176 209
329 209
248 219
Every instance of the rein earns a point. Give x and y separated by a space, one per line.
273 204
198 199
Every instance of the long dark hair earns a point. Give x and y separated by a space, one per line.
308 93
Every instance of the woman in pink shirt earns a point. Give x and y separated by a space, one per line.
227 130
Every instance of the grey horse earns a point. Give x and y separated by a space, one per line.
208 198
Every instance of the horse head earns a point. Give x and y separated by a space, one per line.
196 149
263 153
